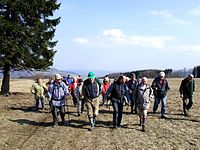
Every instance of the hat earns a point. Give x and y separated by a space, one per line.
91 75
191 75
58 76
162 74
144 78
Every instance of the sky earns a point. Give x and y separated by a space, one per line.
127 35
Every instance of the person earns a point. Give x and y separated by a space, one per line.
38 89
58 92
79 96
143 93
160 88
91 91
105 86
132 85
186 90
118 92
72 87
51 80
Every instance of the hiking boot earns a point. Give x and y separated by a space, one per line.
94 121
143 128
55 124
163 117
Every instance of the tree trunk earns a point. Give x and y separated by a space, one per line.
5 87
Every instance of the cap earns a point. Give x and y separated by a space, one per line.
58 76
162 74
144 78
91 75
191 75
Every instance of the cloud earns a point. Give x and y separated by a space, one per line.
195 11
164 14
81 40
151 41
169 17
115 38
185 48
114 35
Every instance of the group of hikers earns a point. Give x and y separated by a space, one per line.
123 90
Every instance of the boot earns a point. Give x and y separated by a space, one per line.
140 124
144 123
94 120
91 124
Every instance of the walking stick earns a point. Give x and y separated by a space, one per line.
68 112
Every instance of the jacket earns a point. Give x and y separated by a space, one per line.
160 88
57 93
118 92
143 96
90 90
187 87
38 90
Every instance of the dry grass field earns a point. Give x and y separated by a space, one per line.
22 128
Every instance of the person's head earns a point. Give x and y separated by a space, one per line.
91 76
122 79
51 79
162 75
74 79
106 80
144 80
58 78
39 80
133 76
80 82
190 76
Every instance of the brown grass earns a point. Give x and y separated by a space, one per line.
22 128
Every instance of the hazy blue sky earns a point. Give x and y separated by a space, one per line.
126 35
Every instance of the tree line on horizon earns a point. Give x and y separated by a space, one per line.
152 73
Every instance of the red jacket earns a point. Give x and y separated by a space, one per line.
105 88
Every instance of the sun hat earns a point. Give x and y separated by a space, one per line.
58 76
91 75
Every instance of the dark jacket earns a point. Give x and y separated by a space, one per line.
187 87
118 92
90 90
160 89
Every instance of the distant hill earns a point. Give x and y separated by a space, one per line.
44 73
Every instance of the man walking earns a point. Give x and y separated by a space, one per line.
91 92
160 88
132 86
186 90
58 92
144 94
118 92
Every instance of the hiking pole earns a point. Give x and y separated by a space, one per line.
68 112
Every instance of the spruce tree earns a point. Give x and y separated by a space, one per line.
27 28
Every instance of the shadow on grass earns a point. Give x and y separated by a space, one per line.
33 123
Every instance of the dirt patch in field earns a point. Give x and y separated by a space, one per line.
22 128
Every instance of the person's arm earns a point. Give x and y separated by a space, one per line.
108 91
65 88
127 94
194 85
32 89
181 90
